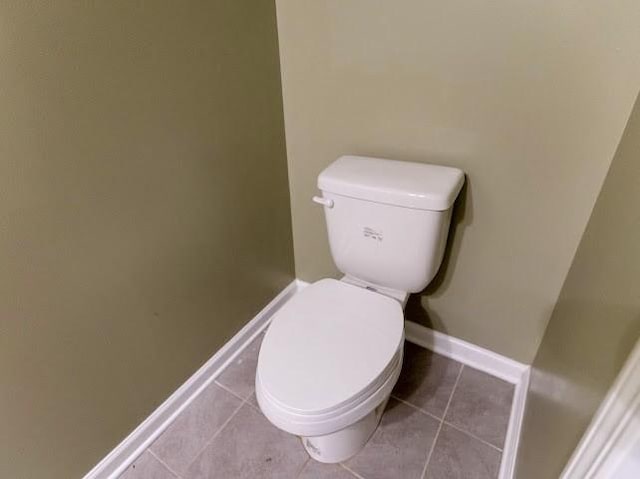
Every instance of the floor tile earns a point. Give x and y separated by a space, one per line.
481 405
400 444
189 433
208 441
427 379
147 467
249 447
240 375
317 470
459 456
253 401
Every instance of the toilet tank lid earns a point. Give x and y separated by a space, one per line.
399 183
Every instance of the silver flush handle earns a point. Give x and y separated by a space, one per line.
323 201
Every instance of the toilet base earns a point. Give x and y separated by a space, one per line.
345 443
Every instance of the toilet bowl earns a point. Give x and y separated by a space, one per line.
327 366
332 354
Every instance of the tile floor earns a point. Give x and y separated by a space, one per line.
445 421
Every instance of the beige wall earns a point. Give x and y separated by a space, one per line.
144 211
594 325
529 98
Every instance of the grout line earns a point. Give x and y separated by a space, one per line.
444 414
413 406
253 406
178 476
210 440
458 428
348 469
230 391
299 473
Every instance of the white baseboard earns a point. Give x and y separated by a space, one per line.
514 430
148 431
491 363
465 353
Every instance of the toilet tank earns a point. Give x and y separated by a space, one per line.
387 220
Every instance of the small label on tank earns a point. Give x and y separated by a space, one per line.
371 233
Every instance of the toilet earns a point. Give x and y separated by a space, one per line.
333 353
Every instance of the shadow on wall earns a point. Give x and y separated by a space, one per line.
462 216
577 327
632 334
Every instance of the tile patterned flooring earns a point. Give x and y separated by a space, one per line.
444 421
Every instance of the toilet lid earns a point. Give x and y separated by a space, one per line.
327 345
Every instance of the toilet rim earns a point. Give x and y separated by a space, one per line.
346 403
333 420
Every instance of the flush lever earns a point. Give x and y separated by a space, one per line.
323 201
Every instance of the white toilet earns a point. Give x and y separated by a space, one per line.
333 353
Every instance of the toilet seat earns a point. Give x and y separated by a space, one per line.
330 356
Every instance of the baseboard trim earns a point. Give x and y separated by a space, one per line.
491 363
514 430
148 431
466 353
